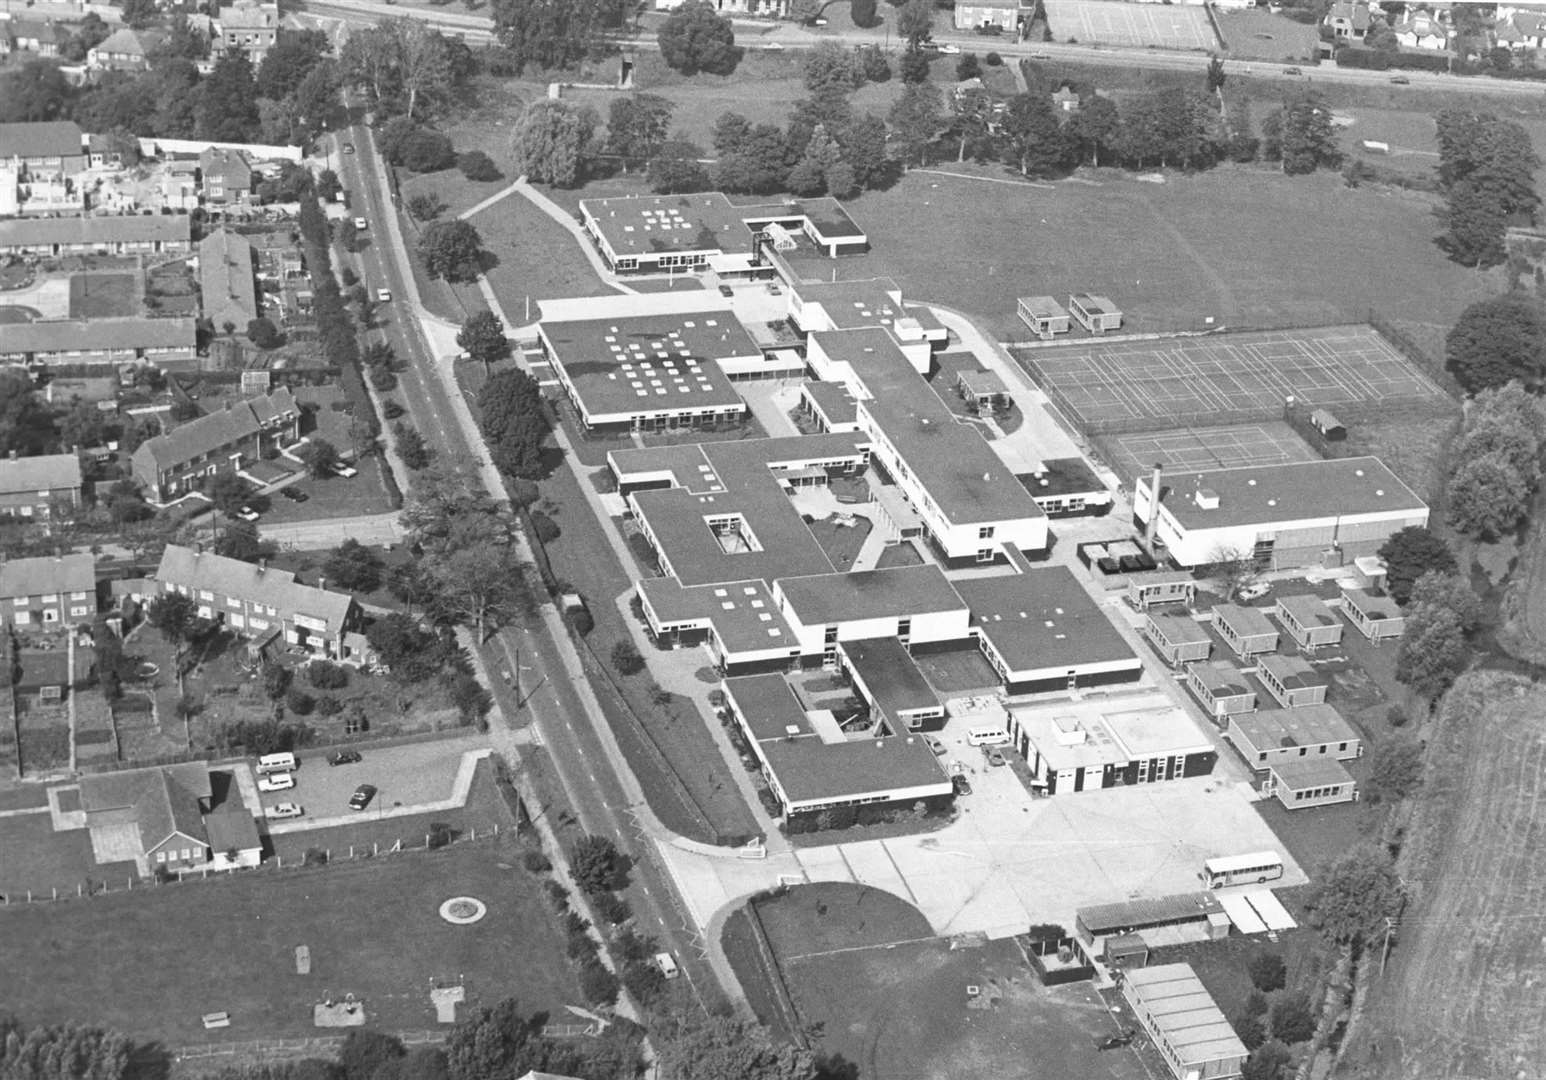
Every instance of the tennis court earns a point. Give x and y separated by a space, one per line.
1137 385
1184 449
1134 25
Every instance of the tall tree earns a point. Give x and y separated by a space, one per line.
514 422
915 24
1488 497
1216 76
831 67
548 34
354 567
865 151
292 56
227 109
483 337
1095 127
637 125
1035 143
691 1046
1498 340
452 250
1308 140
971 111
917 120
1351 898
552 141
677 168
34 92
1475 226
482 584
1408 555
66 1052
26 426
757 165
695 38
1433 651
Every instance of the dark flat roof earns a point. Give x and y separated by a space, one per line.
1103 918
1244 621
1308 725
1062 476
1292 672
888 671
834 401
1043 619
1291 491
743 613
900 592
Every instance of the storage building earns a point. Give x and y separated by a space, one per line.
1180 639
1186 1025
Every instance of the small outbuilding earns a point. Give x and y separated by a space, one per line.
1308 620
1193 1036
1044 315
984 391
1329 426
1221 688
1299 785
1377 617
1144 590
1246 630
1097 314
1291 681
1179 639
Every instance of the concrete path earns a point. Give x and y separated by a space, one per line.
566 219
25 811
502 193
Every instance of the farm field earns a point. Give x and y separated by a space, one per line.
372 927
1248 248
1464 993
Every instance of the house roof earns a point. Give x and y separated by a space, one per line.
94 335
248 16
199 571
124 41
232 829
45 138
46 472
237 421
1358 487
900 592
48 575
226 284
1043 619
42 30
1308 725
232 165
96 229
161 801
1308 610
1220 679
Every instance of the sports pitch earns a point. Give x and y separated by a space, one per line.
1132 25
1269 443
1175 381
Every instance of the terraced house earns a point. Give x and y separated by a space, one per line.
38 487
172 465
47 592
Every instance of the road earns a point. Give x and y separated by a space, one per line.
477 29
542 679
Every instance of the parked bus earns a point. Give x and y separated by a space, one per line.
1252 869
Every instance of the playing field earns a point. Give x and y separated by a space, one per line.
1268 443
1167 383
1132 25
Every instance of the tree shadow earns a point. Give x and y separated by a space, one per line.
148 1061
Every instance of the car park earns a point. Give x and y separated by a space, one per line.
935 745
283 810
344 757
362 796
281 781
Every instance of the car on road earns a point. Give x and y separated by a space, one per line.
935 745
348 148
348 472
1041 56
1401 80
344 757
361 224
246 513
283 810
279 781
993 755
384 295
1292 71
362 796
816 21
948 50
293 494
961 784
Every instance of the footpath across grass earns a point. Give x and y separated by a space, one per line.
153 961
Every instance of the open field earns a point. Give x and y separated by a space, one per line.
1267 443
1464 992
373 929
1259 35
1188 380
1249 248
1131 25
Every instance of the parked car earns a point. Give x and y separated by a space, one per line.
1292 71
348 148
1255 590
961 784
726 290
774 46
246 513
279 781
948 50
993 755
1401 80
344 757
935 745
294 494
362 796
348 472
283 810
1041 56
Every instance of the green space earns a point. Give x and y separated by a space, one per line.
154 960
333 496
841 541
16 313
1260 35
34 858
104 296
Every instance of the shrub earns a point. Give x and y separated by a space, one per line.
1251 1030
1255 1004
391 409
428 151
598 984
329 706
315 856
644 981
478 166
558 896
1267 971
626 659
325 675
264 334
1291 1018
993 59
596 865
440 835
863 14
581 620
546 528
613 908
299 701
425 207
536 862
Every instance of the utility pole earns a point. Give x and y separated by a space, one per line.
1390 928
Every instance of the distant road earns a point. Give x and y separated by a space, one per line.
477 28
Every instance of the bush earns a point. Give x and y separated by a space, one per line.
613 908
391 409
315 856
1291 1018
424 207
264 334
582 621
626 659
1267 971
440 835
329 706
993 59
299 701
546 528
428 151
325 675
478 166
1251 1030
863 14
384 380
598 984
558 896
596 865
536 862
1255 1004
644 981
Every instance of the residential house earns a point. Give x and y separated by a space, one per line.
227 440
258 602
46 39
248 26
124 50
227 177
38 487
1065 100
1422 30
180 185
57 590
1521 31
163 342
45 150
977 14
227 287
1348 21
102 234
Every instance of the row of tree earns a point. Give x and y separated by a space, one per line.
1487 171
1496 462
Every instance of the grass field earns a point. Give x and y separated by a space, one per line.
1259 35
1249 248
102 296
1465 992
151 962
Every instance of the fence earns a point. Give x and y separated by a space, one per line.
1416 355
317 1045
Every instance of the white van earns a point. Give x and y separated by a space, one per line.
987 736
272 763
667 965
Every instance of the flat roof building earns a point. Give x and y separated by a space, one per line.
1112 742
1097 314
1310 622
811 764
1221 688
1300 785
1179 639
1284 515
738 621
886 677
1200 916
916 604
1186 1025
1376 617
1044 315
1291 681
1246 630
1310 733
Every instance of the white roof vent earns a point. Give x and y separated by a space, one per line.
1207 499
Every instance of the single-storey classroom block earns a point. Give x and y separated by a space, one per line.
1246 630
1308 620
1044 315
1300 785
886 677
1180 639
1074 747
1376 617
1274 736
984 391
1221 687
1291 681
1161 587
1192 1035
1097 314
1172 920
